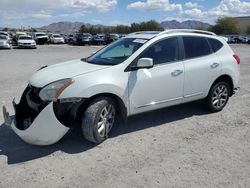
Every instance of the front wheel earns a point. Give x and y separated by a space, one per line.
218 96
99 119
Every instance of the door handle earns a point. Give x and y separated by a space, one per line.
214 65
176 72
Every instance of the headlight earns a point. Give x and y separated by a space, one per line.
52 91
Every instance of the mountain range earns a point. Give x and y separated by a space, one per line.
71 27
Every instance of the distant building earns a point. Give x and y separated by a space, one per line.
244 23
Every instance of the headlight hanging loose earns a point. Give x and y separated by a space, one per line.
52 91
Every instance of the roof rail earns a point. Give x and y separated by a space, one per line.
145 32
186 31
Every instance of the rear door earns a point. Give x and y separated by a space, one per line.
202 67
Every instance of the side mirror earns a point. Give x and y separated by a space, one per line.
145 63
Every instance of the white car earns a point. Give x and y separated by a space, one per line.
141 72
26 41
57 39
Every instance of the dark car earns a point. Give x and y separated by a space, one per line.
41 38
69 39
109 38
82 39
98 39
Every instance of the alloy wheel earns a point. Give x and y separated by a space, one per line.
106 120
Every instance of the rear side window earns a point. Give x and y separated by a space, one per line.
215 44
195 46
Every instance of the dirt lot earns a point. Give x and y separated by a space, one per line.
181 146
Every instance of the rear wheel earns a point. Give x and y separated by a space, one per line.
99 119
218 96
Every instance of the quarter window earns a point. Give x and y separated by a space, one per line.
216 45
195 47
164 51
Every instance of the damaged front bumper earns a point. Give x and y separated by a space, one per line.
36 127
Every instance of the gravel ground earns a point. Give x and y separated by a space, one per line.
182 146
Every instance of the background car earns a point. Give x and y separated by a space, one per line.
69 38
109 38
5 33
57 39
98 40
26 41
41 38
82 39
16 36
4 42
244 39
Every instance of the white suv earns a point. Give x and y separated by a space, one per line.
141 72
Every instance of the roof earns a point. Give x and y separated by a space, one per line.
151 34
143 34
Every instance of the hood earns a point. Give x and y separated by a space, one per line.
26 41
58 38
41 37
61 71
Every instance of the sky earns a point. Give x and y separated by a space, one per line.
36 13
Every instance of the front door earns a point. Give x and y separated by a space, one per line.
161 85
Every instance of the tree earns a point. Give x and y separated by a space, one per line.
248 30
82 29
33 29
122 29
226 25
201 28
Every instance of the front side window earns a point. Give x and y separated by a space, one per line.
195 46
164 51
116 52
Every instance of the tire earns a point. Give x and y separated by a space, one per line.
218 96
99 119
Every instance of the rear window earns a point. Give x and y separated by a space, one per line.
195 46
215 44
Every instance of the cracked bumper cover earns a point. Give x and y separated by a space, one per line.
44 130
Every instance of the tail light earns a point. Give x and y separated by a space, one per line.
237 58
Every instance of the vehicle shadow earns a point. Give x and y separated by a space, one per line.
20 48
17 151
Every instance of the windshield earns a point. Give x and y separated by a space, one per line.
3 37
57 36
40 35
25 38
117 52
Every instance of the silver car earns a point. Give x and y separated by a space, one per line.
4 42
